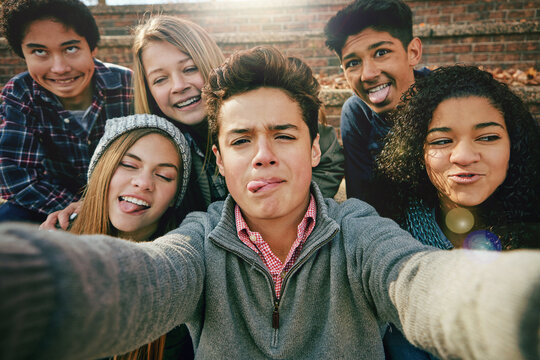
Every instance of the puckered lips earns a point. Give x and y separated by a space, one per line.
262 185
465 178
187 102
132 205
378 93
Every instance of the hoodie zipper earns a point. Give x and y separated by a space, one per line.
275 315
275 310
275 323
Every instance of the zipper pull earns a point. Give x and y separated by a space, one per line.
275 316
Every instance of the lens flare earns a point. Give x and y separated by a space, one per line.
459 220
482 240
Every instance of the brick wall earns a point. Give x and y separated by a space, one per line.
495 33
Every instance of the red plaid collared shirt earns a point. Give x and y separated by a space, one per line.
255 242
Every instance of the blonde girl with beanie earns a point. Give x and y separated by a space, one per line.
137 179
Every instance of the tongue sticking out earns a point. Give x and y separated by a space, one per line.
379 96
255 186
129 207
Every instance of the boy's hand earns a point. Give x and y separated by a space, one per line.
60 219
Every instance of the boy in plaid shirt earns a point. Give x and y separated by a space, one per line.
53 115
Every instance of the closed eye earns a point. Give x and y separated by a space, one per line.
166 178
127 165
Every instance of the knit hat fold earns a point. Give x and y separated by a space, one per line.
116 127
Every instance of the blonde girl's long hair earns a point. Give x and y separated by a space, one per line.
93 217
187 37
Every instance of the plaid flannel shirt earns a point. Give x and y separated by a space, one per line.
44 151
216 182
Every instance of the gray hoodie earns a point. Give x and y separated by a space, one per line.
356 272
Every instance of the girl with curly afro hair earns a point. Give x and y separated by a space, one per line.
463 163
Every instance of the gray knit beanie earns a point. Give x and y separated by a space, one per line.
121 125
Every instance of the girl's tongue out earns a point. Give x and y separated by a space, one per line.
129 206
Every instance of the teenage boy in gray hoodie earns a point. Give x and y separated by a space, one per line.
275 270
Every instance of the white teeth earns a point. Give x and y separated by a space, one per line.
188 102
134 201
65 81
380 87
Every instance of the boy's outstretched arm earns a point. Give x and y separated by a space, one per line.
458 304
64 288
480 305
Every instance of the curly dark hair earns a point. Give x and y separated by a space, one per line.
401 162
392 16
17 15
263 66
